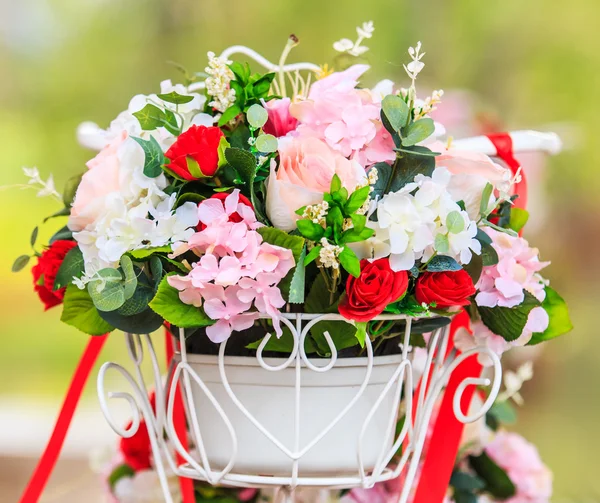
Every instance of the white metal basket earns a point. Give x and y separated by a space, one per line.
287 423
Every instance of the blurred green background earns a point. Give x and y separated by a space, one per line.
534 64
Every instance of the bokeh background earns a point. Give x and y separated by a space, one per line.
533 64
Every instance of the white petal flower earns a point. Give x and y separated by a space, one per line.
343 45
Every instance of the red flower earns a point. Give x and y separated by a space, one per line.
136 450
234 217
376 287
199 143
446 289
44 272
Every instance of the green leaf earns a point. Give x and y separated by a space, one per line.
70 189
489 255
558 312
441 243
79 312
474 268
71 266
508 322
441 263
63 212
257 116
485 199
20 263
261 86
510 232
144 253
153 156
297 285
518 218
384 172
336 184
503 412
396 111
266 143
466 481
407 167
120 472
310 230
167 304
150 117
138 302
175 98
144 322
228 115
349 261
189 197
62 233
171 124
497 482
312 255
130 283
107 291
359 222
357 199
455 222
242 72
417 132
361 333
483 237
354 236
243 162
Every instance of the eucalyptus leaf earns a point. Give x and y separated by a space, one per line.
441 243
441 263
455 222
130 283
396 111
417 132
257 116
266 143
20 263
107 290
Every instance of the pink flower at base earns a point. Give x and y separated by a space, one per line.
517 270
521 461
280 122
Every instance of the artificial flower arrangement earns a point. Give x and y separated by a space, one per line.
493 464
215 204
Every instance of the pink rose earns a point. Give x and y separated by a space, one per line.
472 171
521 461
102 178
280 120
306 167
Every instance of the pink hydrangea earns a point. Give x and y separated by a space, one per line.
521 461
517 270
236 269
348 119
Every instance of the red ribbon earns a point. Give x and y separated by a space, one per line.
186 485
438 461
46 464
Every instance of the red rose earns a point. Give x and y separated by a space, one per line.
137 450
376 287
44 272
199 143
446 289
234 217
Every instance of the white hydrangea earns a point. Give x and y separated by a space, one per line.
414 223
122 229
90 135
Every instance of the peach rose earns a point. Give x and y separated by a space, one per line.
472 171
102 178
306 168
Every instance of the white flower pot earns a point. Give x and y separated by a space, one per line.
270 398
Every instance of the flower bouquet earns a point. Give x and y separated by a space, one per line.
339 220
